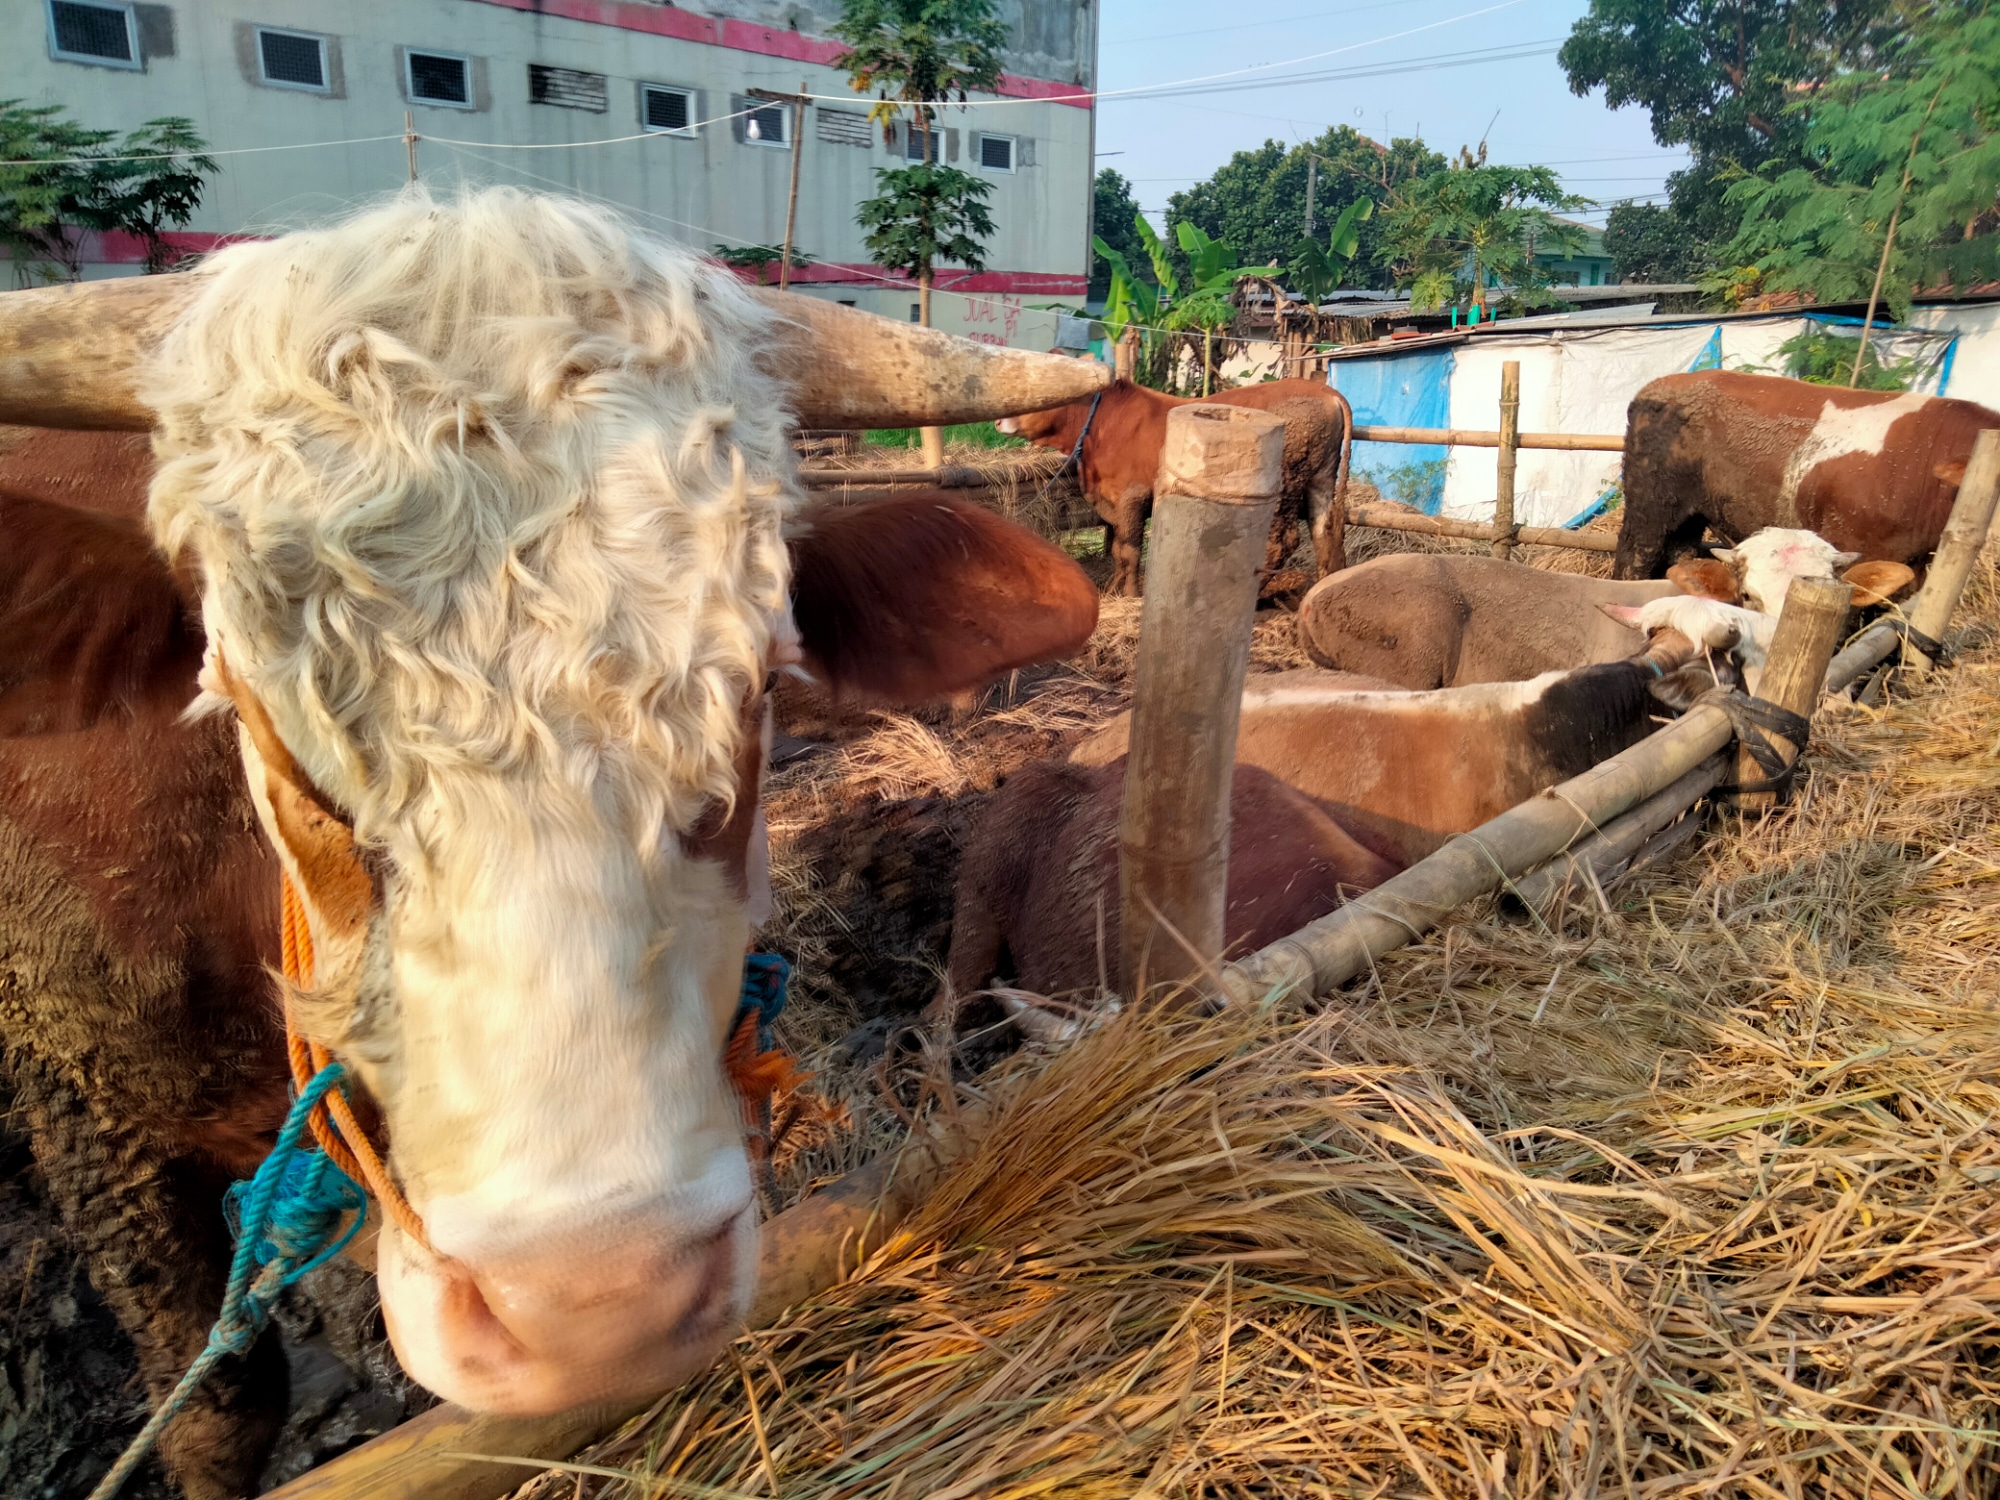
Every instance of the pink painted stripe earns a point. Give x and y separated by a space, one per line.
745 36
864 276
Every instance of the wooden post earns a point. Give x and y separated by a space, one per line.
1809 627
1125 361
792 205
410 141
1973 513
1510 442
1220 469
1958 549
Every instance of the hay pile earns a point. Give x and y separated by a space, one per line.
1699 1195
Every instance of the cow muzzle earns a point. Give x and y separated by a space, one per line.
530 1333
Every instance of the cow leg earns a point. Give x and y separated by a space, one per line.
1329 523
152 1233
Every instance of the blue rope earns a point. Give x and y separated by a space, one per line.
286 1221
765 976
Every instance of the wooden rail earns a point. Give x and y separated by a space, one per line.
1476 437
1395 518
950 477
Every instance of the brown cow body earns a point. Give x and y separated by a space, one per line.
1121 457
1873 473
1038 890
139 896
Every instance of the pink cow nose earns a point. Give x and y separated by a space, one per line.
531 1335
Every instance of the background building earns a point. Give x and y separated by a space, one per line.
653 107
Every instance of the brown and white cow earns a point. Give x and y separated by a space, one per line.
1121 457
485 527
1339 784
1872 472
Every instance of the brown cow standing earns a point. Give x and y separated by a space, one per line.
1872 472
1121 457
139 896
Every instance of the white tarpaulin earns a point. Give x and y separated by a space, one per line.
1973 369
1571 382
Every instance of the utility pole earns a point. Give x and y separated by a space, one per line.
410 142
792 206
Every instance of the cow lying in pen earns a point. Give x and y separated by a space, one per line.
1120 458
1339 784
485 543
1421 621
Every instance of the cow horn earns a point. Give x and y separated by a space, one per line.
849 369
72 356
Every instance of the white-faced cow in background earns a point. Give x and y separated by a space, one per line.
485 529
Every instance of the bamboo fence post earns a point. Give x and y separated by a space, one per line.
792 204
1809 627
1125 359
1973 513
1220 469
1510 440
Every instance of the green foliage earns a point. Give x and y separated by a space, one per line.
917 53
1256 201
1913 139
1316 273
74 181
1719 75
1458 232
1826 357
1649 242
924 214
1213 274
760 258
973 434
1115 210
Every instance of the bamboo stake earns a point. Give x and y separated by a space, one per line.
1504 530
1220 470
1965 532
792 205
1478 437
1809 627
1326 954
1393 518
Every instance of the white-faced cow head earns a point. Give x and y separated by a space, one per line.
1766 562
490 502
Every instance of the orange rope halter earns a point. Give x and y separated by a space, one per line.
333 1124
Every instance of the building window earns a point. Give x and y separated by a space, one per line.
91 33
843 127
291 59
668 111
914 138
566 88
439 78
916 312
996 153
768 125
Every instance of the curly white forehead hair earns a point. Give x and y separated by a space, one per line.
485 492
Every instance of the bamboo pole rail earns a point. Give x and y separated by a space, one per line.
949 477
1395 518
1505 532
1605 855
1475 437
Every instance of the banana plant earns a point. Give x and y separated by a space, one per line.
1317 273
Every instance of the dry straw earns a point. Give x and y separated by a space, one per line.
1698 1195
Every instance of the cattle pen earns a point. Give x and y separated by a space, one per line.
1677 1179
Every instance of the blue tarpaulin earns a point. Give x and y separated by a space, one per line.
1406 390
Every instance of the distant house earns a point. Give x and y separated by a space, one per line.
1590 266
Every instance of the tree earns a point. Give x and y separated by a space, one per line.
916 54
1114 210
760 258
67 179
1718 76
1256 201
924 214
1459 232
1649 242
1314 272
1899 183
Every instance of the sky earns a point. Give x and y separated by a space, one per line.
1515 96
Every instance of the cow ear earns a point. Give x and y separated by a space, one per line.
1876 583
1624 614
1727 556
1705 578
915 599
314 842
1952 473
1845 560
